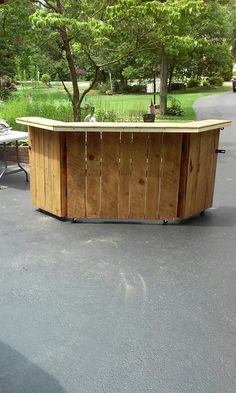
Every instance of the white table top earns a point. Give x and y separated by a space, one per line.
13 136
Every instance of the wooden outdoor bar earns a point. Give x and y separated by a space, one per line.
153 171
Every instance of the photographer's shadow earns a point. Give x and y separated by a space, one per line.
19 375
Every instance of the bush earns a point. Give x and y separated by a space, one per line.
103 87
216 81
174 109
136 89
177 86
205 83
7 85
46 79
193 82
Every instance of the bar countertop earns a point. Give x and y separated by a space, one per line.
167 127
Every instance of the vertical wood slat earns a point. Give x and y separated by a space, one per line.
32 165
47 173
215 135
189 175
109 174
170 175
203 172
76 179
153 176
138 175
63 172
124 175
93 199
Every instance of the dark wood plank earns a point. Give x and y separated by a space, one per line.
109 174
124 175
138 175
170 176
214 135
153 176
93 198
76 175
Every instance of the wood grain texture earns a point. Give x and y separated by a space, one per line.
109 174
32 165
198 171
46 182
76 175
93 195
189 175
124 175
170 175
214 143
153 176
138 176
203 173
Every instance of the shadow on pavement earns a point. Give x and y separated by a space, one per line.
224 216
19 375
16 180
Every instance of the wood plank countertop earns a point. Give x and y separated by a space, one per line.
166 127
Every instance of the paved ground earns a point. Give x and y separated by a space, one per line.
120 308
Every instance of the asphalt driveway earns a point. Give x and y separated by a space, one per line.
121 308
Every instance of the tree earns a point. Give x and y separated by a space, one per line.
84 34
15 30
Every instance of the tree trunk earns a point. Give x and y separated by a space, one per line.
171 73
73 74
163 82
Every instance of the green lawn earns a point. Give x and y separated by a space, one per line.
53 103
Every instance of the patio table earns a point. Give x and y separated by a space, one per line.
153 171
12 136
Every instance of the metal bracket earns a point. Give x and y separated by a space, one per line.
222 151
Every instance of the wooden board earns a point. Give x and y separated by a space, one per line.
47 184
189 175
198 169
215 135
169 176
109 174
93 194
138 176
153 176
76 174
124 175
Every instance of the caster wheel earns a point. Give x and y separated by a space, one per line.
165 222
202 213
73 221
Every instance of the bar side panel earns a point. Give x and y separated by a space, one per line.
45 171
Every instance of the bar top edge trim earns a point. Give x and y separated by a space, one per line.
185 127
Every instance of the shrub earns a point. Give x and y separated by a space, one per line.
136 89
216 81
193 82
174 109
46 79
103 88
7 85
205 83
177 86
